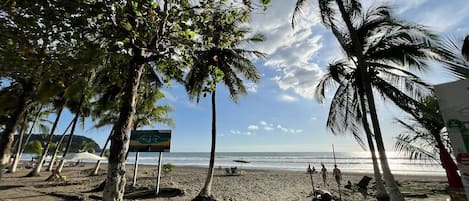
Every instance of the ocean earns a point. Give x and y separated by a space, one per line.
353 162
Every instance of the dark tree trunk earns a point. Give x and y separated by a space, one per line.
115 182
7 136
14 165
206 192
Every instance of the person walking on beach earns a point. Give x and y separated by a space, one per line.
324 175
337 175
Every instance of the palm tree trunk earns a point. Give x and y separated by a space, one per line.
451 169
70 139
37 169
206 191
394 193
7 136
381 194
115 181
98 163
17 158
30 133
57 147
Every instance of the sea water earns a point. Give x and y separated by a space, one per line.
353 162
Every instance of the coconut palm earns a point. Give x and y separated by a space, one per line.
346 112
426 140
379 48
223 62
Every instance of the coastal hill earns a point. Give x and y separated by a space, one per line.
77 142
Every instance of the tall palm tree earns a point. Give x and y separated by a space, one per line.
380 48
346 112
222 62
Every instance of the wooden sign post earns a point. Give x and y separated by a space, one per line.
158 173
150 141
134 183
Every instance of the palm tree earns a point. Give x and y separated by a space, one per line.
222 62
59 105
346 112
379 47
426 139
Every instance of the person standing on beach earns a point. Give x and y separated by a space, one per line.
337 175
324 175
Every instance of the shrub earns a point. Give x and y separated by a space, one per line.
168 168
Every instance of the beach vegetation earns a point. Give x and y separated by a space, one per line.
221 60
168 168
34 147
379 50
424 139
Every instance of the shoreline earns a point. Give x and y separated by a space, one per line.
254 185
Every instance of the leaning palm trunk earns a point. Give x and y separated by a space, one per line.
454 180
98 163
394 193
206 192
17 158
70 138
57 148
37 169
30 133
381 194
115 181
7 136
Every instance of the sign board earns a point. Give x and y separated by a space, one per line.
453 99
150 141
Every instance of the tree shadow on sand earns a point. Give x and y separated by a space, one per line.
133 193
10 187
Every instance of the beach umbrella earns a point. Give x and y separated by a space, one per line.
84 156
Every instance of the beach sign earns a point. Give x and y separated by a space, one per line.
150 141
453 99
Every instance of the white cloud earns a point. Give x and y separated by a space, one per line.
251 87
238 132
265 126
290 51
253 127
287 98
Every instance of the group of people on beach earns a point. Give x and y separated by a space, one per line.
335 173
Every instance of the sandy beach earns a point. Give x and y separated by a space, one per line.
256 185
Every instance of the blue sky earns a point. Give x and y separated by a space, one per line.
279 113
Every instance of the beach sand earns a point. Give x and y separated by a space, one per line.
258 185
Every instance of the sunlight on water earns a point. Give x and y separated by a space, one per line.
356 162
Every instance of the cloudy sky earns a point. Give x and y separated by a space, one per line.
280 114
